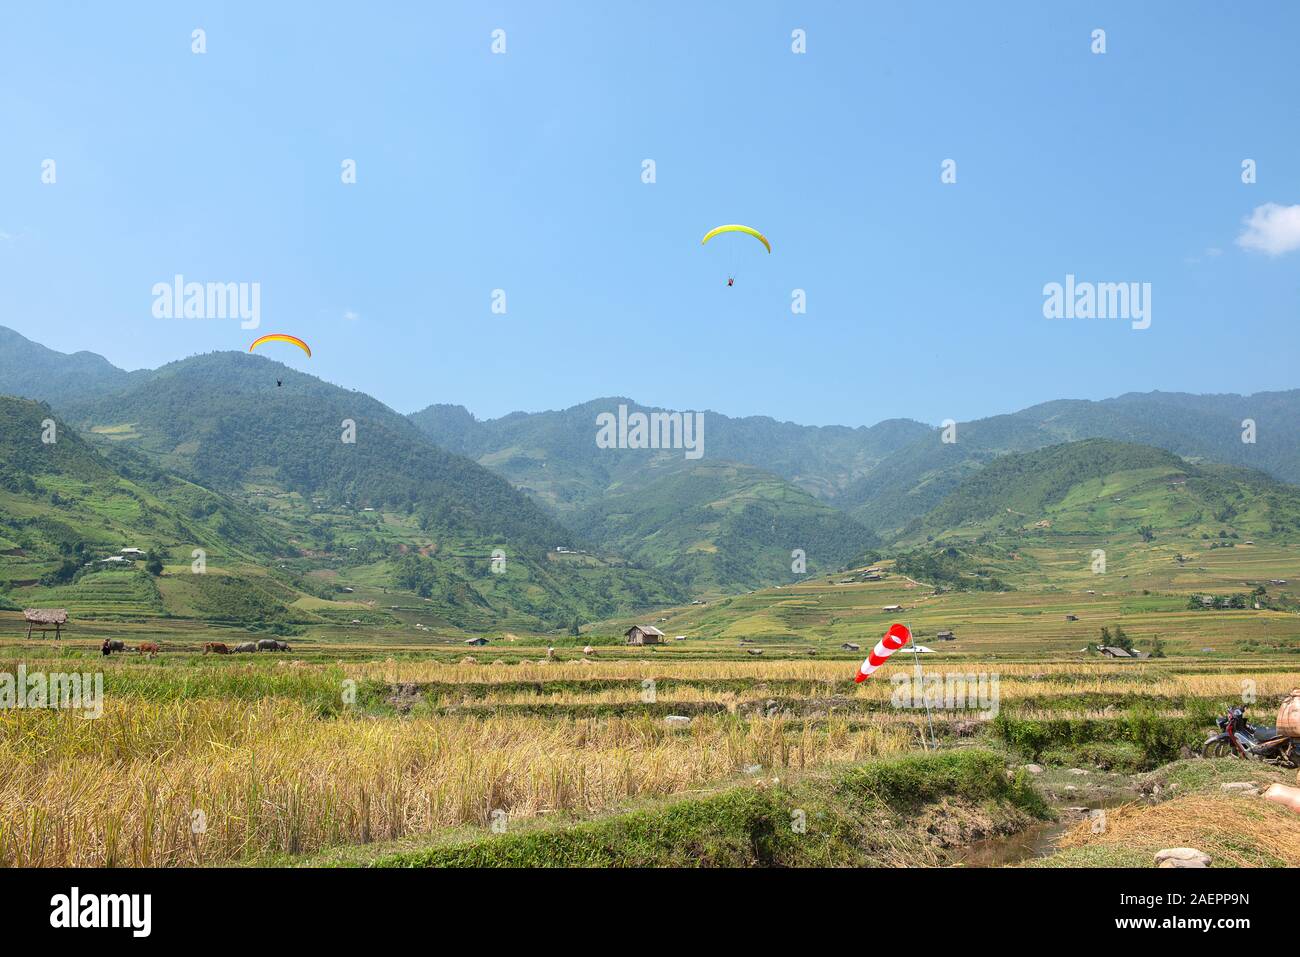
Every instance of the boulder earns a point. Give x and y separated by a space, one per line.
677 720
1182 857
1240 787
1033 768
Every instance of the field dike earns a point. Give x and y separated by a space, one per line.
910 811
1138 740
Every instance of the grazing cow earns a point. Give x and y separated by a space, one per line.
216 647
246 646
111 645
270 644
149 648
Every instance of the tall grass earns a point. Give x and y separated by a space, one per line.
271 777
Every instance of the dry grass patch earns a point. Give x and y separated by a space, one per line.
1236 831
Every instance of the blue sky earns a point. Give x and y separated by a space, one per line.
522 172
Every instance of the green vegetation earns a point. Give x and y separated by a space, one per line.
828 820
723 527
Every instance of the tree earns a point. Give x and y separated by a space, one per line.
153 564
576 628
1122 640
1157 647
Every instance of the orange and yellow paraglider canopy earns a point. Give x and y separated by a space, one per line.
282 337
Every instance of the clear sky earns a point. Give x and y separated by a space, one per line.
522 171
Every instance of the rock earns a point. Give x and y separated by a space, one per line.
753 768
1240 787
1071 787
1182 857
1076 771
1185 752
1032 769
677 720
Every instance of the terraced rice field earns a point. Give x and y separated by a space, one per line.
280 756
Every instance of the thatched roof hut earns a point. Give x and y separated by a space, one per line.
42 619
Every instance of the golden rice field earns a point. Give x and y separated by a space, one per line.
271 777
217 761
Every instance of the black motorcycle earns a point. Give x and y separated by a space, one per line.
1239 738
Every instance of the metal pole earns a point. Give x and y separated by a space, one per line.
920 676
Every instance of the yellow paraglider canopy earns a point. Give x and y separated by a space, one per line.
733 228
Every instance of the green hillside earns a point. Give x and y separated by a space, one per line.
916 478
724 527
1037 517
389 512
64 501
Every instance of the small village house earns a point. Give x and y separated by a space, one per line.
477 642
644 635
945 636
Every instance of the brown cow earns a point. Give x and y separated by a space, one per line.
216 647
149 648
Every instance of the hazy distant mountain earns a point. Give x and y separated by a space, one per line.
31 371
554 455
722 526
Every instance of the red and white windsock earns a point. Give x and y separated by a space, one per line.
895 638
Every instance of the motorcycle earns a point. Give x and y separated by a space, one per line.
1239 738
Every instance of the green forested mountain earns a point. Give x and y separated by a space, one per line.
554 455
223 420
917 477
1041 515
1102 486
388 510
722 526
420 503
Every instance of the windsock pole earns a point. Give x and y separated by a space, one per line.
920 684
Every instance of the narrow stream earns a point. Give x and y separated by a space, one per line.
1038 840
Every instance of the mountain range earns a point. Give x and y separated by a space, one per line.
290 471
